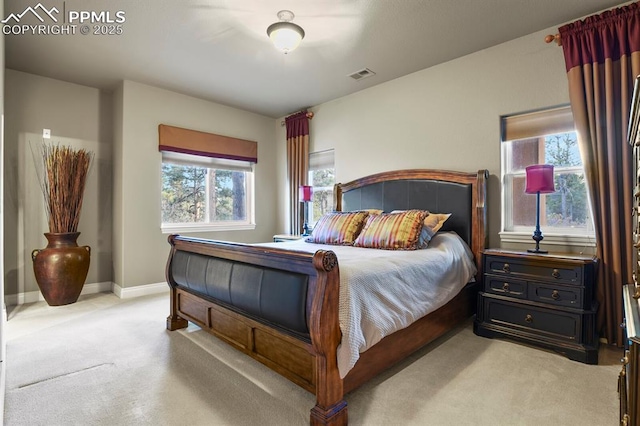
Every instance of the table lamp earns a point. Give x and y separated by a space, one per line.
305 194
539 181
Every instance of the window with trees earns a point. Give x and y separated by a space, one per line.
322 178
200 193
544 137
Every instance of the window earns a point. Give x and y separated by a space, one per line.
207 180
322 178
544 137
203 194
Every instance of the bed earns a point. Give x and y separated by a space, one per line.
281 305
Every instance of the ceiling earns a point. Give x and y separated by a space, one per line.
218 49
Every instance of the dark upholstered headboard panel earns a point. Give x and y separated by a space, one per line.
433 195
439 191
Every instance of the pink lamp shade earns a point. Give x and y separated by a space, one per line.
540 179
305 193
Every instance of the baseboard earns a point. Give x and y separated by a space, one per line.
36 296
104 287
140 290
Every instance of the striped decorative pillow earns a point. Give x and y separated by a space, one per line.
340 228
432 224
392 231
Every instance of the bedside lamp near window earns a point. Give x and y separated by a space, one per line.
305 194
539 181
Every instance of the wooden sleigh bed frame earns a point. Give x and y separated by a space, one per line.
304 351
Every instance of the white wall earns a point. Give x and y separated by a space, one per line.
444 117
140 248
79 116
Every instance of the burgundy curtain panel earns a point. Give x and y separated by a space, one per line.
602 55
297 164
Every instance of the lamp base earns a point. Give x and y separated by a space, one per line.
537 233
537 250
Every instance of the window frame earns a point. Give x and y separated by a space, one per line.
215 164
539 123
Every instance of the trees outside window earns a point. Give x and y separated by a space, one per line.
192 194
568 206
322 178
322 181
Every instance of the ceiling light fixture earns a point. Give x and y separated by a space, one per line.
285 35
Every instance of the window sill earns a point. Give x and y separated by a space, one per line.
550 239
183 228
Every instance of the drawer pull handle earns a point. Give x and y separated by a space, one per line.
528 318
506 268
625 359
505 287
555 295
555 274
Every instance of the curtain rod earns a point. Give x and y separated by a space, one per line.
309 116
551 37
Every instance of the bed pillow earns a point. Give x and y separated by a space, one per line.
340 228
392 231
432 224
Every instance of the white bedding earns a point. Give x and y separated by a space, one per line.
382 291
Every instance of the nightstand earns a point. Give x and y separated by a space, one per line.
285 237
545 300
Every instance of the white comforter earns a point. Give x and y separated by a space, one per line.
382 291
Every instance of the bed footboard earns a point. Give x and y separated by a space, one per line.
298 341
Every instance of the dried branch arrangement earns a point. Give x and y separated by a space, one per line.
63 178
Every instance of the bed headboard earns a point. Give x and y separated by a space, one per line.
458 193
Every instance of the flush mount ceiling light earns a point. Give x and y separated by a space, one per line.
285 35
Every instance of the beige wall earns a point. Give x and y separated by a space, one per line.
445 117
79 116
140 248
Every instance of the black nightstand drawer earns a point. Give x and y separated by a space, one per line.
505 286
522 268
536 320
556 295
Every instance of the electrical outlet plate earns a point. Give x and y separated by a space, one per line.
46 133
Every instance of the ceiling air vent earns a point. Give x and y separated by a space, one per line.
363 73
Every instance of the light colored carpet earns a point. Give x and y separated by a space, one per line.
106 361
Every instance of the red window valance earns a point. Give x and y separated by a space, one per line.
193 142
610 35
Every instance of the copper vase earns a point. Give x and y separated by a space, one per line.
61 268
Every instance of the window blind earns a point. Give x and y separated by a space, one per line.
539 123
321 160
203 144
206 162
